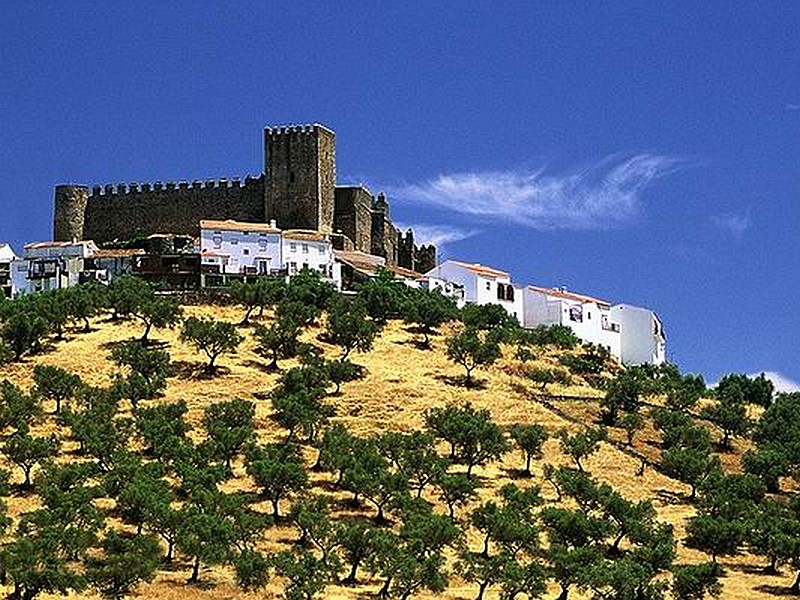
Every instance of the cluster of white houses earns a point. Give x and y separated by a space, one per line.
230 249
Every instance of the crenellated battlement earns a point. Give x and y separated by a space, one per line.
297 189
180 187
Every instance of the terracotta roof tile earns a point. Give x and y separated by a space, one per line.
565 295
481 269
230 225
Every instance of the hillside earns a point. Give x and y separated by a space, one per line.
400 384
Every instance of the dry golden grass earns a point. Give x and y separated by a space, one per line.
401 383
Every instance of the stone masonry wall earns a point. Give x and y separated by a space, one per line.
123 212
69 212
300 169
353 216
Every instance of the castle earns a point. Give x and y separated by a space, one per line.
297 190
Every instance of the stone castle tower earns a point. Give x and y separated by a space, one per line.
297 189
300 170
69 212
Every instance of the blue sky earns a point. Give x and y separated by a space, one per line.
641 152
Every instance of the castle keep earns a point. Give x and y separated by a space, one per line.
297 190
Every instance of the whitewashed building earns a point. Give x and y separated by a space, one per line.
240 248
307 249
448 289
50 265
482 285
591 319
7 257
643 337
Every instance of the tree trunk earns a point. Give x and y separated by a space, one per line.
481 589
564 592
275 511
86 325
772 568
384 591
195 570
146 333
485 551
795 589
527 464
351 576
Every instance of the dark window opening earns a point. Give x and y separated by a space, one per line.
291 176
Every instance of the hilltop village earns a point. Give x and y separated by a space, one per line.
293 216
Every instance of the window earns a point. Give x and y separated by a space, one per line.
292 246
246 251
305 248
217 242
234 242
576 314
321 249
488 285
262 245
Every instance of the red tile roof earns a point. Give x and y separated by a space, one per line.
565 295
481 269
230 225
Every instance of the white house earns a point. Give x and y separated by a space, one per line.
591 319
448 289
643 338
50 265
307 249
7 257
240 248
482 285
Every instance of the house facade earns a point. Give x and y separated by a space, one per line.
7 257
643 337
591 319
482 285
307 249
240 248
50 265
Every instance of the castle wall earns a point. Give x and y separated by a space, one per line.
300 170
123 212
297 189
353 216
69 212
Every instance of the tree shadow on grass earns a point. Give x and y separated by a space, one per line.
151 344
670 497
515 473
755 569
776 590
260 366
461 381
197 370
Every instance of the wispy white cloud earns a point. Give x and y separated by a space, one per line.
733 223
603 195
782 383
438 235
